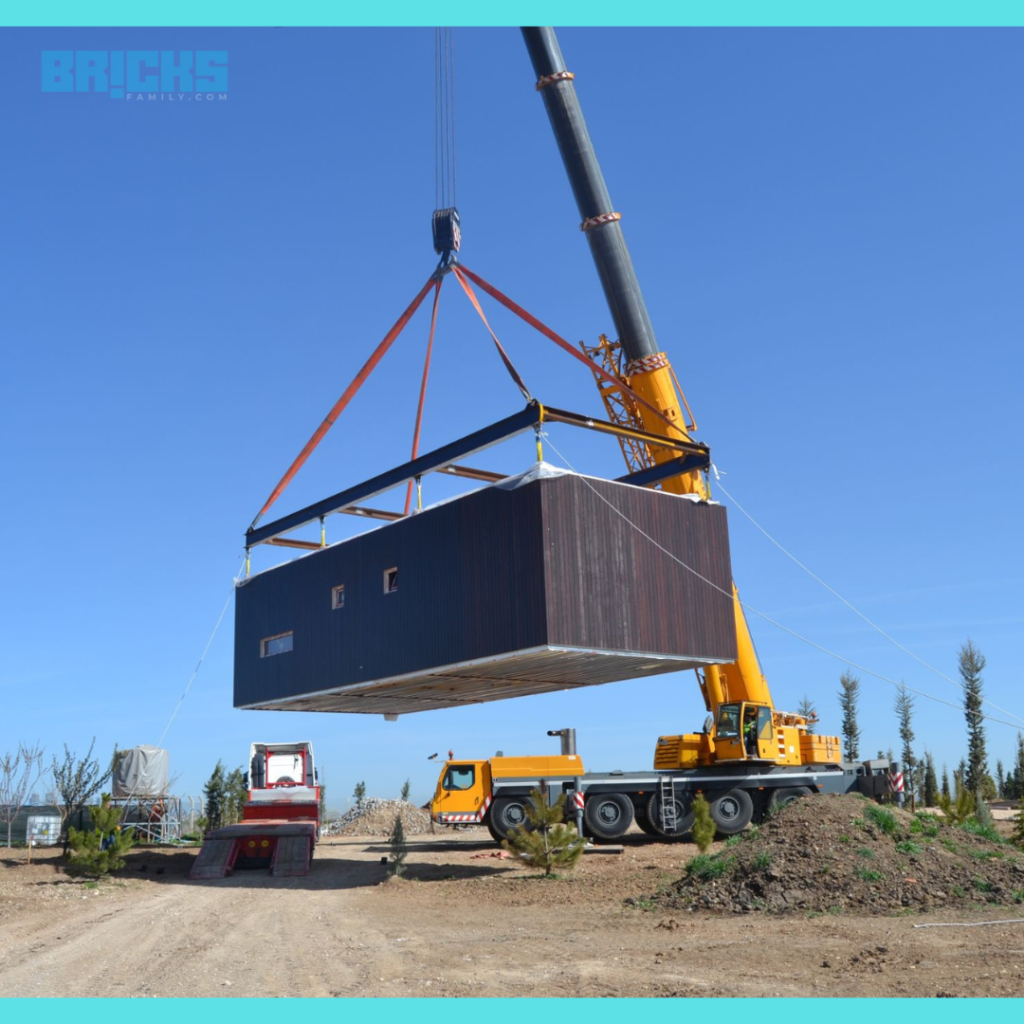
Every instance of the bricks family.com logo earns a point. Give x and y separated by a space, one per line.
138 74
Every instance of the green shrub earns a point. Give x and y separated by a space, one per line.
909 847
869 876
762 860
977 828
867 852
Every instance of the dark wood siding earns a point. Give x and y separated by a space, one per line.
506 574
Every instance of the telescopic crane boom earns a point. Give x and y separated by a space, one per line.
735 692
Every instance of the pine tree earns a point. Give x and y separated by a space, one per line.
931 785
945 781
1000 780
810 712
905 712
703 829
215 797
850 688
546 841
359 793
236 795
971 663
399 847
1018 767
1017 836
98 851
406 789
1010 787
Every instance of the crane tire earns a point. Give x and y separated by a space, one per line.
494 832
732 811
644 823
608 815
508 812
684 818
782 797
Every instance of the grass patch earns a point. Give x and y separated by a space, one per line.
834 910
707 866
909 847
751 833
826 869
925 825
885 820
844 839
985 831
1017 895
866 852
982 886
869 876
958 892
950 845
731 842
762 860
988 854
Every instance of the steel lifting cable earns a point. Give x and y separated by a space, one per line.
423 389
878 629
763 615
445 178
339 406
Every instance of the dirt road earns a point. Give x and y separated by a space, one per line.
461 925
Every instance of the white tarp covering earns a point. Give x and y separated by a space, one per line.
142 771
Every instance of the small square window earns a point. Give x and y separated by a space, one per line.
390 580
338 596
280 644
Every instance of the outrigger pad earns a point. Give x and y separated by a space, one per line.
539 583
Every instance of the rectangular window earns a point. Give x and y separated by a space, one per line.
390 580
338 596
280 644
459 776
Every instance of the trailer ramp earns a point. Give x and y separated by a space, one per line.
291 857
216 859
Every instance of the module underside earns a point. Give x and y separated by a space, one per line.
526 672
548 583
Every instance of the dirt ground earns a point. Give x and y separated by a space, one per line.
464 923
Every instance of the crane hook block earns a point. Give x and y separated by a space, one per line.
447 235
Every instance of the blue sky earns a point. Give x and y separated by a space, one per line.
826 225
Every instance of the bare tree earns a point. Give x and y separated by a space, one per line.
19 774
77 782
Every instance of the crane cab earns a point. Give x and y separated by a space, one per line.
745 731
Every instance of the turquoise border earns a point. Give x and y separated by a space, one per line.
726 13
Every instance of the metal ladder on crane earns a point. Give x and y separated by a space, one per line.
667 804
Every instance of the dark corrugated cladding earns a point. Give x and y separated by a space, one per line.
502 592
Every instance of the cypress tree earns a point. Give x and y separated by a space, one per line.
945 781
971 663
905 712
1018 768
931 786
215 797
1000 780
850 687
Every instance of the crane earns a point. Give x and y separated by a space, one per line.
734 694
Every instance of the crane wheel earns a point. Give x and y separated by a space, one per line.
494 832
644 823
507 813
732 811
608 815
665 828
782 797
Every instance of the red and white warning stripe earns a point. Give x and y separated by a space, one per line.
895 782
462 819
645 364
558 76
601 218
577 800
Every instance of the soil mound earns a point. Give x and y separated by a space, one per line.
833 854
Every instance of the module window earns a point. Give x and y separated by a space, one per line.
338 597
390 580
280 644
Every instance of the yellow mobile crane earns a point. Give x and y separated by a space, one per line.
748 754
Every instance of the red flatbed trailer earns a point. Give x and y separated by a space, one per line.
280 822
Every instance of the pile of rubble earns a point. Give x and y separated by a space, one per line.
376 817
830 854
